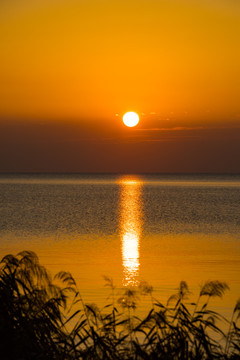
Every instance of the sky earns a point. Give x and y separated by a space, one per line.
70 69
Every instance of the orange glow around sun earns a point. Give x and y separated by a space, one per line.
130 119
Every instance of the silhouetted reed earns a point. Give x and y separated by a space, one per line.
46 318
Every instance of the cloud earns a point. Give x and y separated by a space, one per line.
188 128
177 128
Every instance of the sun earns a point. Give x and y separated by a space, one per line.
130 119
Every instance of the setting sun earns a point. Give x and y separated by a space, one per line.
130 119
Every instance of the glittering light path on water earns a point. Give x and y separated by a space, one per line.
130 227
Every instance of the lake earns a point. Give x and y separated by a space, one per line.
157 228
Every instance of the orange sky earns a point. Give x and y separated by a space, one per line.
68 67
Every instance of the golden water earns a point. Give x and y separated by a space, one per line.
130 228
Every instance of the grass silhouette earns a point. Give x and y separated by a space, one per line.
45 318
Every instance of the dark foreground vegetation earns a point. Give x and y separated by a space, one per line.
44 318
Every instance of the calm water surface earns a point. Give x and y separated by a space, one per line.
158 228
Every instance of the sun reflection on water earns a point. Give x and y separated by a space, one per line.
130 227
